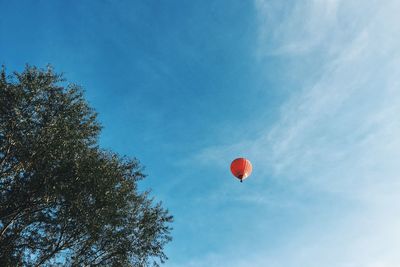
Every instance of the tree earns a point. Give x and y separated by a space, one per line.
63 199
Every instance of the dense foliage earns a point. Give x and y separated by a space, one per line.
63 200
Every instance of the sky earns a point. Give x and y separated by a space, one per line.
309 91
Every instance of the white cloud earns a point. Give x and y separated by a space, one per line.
297 28
339 136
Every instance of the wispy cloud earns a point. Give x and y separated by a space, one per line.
297 28
339 134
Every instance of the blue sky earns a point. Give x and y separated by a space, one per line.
308 90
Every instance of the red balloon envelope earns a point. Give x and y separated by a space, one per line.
241 168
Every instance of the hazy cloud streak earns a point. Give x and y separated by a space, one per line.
340 135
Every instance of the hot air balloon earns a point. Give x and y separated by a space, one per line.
241 168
